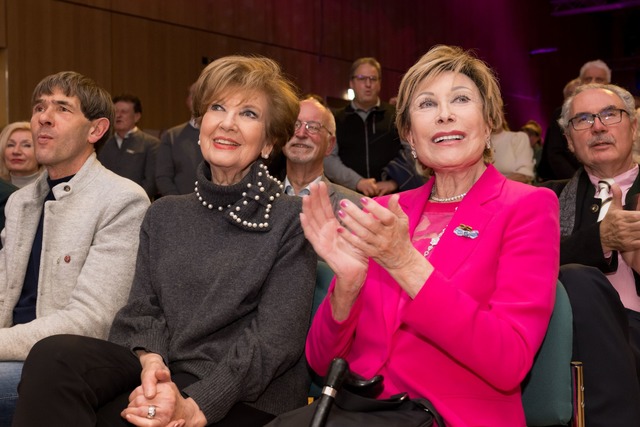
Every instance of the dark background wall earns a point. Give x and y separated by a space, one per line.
156 48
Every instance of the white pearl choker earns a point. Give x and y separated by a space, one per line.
235 211
435 198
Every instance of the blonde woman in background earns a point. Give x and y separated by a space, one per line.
19 165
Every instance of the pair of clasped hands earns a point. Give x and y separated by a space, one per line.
620 230
157 389
371 188
347 243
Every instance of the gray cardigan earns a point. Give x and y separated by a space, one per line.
225 301
88 255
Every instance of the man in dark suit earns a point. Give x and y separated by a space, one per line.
314 139
600 250
130 152
557 161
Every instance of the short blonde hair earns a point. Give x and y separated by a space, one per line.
4 140
439 60
253 74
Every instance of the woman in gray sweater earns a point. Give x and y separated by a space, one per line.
214 329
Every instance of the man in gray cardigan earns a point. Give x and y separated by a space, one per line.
71 238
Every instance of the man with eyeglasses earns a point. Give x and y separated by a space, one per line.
369 156
600 250
557 161
313 140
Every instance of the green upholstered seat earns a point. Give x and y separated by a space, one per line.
547 391
324 275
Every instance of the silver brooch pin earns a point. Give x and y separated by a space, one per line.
465 231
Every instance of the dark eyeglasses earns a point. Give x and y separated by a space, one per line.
311 127
362 78
609 116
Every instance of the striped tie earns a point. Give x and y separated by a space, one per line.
605 195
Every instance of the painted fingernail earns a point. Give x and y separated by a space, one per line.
364 200
344 203
341 214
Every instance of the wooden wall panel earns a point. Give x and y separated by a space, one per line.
49 36
3 24
4 85
155 47
269 22
99 4
157 62
30 52
4 105
81 41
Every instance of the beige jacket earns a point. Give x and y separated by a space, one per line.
90 242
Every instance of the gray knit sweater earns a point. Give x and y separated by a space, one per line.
225 301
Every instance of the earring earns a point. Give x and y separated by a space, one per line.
488 143
413 153
264 156
198 141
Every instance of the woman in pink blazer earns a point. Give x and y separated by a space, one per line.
447 289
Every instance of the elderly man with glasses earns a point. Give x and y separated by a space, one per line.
313 140
369 156
600 250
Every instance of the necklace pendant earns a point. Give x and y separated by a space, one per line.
433 243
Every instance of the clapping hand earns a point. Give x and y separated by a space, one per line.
327 235
620 229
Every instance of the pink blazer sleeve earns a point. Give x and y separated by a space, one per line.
328 338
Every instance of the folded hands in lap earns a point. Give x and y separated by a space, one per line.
157 390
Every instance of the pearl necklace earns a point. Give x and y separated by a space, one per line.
435 198
234 213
